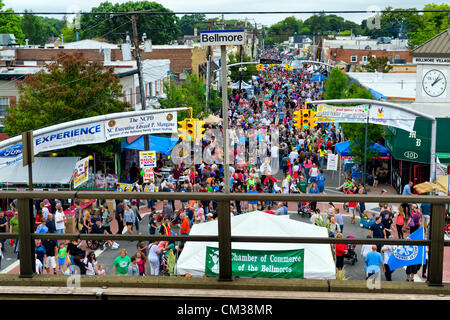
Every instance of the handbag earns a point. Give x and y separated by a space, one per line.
108 219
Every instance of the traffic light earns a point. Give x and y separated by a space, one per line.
312 119
260 67
298 119
182 132
199 130
190 127
306 104
305 118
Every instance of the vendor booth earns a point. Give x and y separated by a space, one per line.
315 261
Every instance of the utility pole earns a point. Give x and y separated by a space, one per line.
208 69
240 68
226 166
253 43
137 54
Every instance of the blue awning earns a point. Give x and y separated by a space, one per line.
319 77
343 149
158 144
377 95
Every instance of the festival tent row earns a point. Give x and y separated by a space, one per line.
318 261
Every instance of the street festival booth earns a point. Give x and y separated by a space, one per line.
262 260
343 149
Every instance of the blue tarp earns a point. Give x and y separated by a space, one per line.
343 149
319 77
377 95
159 144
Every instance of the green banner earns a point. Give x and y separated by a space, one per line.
259 263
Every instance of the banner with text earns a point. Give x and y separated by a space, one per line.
388 116
259 263
141 125
81 174
65 138
356 114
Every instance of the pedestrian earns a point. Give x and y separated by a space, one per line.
352 205
129 218
340 250
425 210
91 264
141 261
50 223
3 228
60 219
152 224
51 249
374 262
414 219
386 220
400 222
120 264
334 228
119 216
387 250
133 268
377 231
365 249
313 189
154 258
339 219
321 180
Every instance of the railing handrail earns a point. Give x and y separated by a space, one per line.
224 237
26 194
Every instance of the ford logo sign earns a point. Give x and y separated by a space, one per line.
411 155
11 152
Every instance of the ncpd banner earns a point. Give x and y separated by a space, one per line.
259 263
135 126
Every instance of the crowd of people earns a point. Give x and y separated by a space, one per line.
270 155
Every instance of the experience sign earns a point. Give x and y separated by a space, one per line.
222 37
259 263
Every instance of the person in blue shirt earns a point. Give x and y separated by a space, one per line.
313 189
374 262
321 181
252 205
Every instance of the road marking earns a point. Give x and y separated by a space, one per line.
10 267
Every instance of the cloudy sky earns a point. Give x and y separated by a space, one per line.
230 5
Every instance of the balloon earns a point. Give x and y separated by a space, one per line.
142 173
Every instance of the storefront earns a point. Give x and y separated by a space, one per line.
411 150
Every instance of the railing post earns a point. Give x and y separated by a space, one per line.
26 243
436 254
224 234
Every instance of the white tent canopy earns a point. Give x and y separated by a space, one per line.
51 170
318 259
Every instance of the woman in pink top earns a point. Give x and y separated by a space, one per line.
307 165
400 222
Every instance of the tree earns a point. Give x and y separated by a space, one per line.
339 86
432 24
160 28
379 64
235 73
189 22
187 93
38 29
11 24
71 88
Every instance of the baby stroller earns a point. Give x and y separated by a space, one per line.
305 209
95 244
351 255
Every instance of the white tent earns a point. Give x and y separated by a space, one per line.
46 170
318 259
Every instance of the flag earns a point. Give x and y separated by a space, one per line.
408 255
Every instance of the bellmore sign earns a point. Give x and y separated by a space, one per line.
222 37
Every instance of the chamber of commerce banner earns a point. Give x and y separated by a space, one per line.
259 263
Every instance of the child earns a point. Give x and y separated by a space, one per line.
38 265
100 270
62 255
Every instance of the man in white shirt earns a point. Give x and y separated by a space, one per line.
60 219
